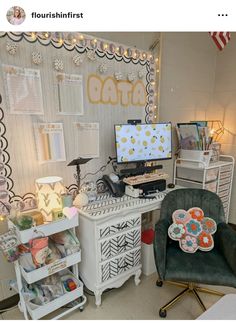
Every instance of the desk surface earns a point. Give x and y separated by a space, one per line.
105 205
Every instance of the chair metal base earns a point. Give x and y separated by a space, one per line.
188 288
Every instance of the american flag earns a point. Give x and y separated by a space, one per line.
220 38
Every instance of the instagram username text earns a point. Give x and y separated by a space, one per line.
60 15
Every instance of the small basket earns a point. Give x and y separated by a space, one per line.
196 158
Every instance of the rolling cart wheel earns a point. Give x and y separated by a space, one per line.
81 309
162 313
159 283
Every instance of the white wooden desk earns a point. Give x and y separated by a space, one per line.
110 236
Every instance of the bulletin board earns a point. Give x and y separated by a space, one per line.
120 75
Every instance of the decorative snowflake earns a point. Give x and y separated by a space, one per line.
131 77
37 58
78 60
118 76
91 55
58 64
102 68
11 48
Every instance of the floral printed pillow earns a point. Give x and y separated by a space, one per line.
193 230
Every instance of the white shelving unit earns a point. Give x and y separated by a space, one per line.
216 177
36 311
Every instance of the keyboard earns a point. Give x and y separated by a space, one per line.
145 178
107 205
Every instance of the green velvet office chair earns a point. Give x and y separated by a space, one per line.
215 267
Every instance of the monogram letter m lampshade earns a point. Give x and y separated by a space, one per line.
48 194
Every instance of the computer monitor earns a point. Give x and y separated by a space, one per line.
143 142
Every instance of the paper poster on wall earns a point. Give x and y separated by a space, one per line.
70 94
87 139
50 142
23 90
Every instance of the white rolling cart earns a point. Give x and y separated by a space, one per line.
35 311
216 176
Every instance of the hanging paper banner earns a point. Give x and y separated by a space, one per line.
113 92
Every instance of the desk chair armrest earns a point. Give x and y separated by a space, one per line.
227 243
160 243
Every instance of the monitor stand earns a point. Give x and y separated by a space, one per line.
139 169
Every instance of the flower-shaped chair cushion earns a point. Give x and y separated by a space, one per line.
192 229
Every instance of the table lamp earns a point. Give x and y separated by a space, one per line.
77 162
48 195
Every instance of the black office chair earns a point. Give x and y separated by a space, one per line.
215 267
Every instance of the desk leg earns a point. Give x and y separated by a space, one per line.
137 277
98 297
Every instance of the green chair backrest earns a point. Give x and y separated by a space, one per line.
186 198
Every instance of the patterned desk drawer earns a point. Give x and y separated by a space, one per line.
120 243
119 265
119 226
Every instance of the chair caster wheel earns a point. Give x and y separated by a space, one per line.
162 313
159 283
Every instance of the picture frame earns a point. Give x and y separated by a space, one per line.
188 136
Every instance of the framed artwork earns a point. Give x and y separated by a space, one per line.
50 143
23 90
70 94
188 136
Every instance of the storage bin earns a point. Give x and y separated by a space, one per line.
147 259
226 168
38 311
224 187
52 268
225 199
225 205
188 184
201 156
223 193
44 229
225 175
196 174
225 181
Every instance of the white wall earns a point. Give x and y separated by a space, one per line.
224 104
198 82
187 74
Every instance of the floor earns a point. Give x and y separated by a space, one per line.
137 302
